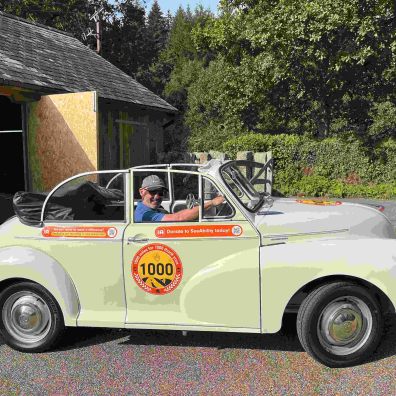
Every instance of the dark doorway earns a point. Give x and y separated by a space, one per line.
11 155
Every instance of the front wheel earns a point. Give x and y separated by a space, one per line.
31 320
340 324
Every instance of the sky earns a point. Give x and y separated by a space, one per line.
173 5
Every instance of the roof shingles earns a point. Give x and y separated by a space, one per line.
37 55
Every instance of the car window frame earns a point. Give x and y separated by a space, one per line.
126 198
170 169
256 208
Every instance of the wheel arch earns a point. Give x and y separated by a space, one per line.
20 264
299 296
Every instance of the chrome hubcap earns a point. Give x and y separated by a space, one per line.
26 317
344 325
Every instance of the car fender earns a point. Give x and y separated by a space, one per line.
34 265
286 268
203 300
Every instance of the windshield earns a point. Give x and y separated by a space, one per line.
237 176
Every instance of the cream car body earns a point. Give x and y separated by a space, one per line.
242 281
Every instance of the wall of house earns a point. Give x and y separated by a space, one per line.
129 135
62 138
76 132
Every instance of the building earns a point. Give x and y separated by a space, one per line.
64 110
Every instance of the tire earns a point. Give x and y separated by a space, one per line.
340 324
30 320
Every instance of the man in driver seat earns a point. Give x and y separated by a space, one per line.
152 192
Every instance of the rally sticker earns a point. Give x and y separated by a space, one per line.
157 269
199 231
79 232
319 202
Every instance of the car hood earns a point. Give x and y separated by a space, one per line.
291 219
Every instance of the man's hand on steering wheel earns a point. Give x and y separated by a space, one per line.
216 201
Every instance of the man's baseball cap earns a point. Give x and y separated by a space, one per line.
153 182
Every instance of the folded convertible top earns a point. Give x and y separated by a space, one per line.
86 201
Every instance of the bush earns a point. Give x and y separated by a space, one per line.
326 167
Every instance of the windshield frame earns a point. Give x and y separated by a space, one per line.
244 179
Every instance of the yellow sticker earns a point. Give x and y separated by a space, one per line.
157 269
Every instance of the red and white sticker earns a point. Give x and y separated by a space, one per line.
199 231
157 269
79 232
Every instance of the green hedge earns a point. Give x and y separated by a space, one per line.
327 167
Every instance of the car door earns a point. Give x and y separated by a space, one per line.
84 223
200 274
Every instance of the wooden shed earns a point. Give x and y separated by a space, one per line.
64 110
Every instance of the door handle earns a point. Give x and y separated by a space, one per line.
137 239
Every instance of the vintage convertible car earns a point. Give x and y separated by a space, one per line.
75 257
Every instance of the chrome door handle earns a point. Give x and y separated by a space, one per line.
137 239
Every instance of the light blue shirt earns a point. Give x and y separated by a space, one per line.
144 213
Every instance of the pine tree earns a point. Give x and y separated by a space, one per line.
70 16
157 32
129 39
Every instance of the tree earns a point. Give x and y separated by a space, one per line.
72 16
128 40
178 65
156 36
68 16
314 67
157 32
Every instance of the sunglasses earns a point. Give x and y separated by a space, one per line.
156 192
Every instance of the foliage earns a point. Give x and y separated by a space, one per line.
330 166
156 32
311 67
313 81
330 158
71 16
178 66
318 186
383 115
128 41
128 37
65 16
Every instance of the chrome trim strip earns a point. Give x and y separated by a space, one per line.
198 239
281 236
188 325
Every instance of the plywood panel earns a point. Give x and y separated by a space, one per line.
62 138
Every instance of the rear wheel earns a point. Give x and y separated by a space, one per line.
340 324
31 320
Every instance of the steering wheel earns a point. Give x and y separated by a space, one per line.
191 201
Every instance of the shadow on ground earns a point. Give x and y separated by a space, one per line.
285 340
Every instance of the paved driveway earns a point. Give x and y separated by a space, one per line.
138 362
